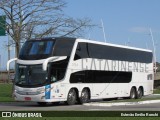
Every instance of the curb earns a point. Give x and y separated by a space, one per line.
121 103
156 94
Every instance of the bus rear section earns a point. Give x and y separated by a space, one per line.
103 70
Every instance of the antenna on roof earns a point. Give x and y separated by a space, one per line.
104 35
154 49
128 42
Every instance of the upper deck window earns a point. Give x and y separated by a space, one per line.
37 48
46 47
40 47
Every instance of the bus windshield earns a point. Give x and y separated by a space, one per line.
31 75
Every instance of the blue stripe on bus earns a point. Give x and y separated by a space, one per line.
47 91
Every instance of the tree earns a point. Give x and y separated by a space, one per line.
2 25
38 18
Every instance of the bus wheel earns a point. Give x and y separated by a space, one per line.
139 93
132 93
42 103
84 96
72 97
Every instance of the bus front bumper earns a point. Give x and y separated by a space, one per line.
36 98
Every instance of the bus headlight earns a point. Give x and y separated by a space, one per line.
15 91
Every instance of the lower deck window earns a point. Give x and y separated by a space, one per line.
93 76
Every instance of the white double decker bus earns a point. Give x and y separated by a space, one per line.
77 70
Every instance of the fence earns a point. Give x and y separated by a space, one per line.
4 78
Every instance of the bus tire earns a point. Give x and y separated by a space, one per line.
42 103
72 97
84 96
132 93
139 93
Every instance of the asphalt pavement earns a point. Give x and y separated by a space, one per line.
147 105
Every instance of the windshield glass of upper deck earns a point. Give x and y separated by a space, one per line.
37 49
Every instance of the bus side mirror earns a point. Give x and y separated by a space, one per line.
8 63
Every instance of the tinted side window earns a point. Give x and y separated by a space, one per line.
121 54
78 77
93 76
90 50
81 51
63 47
112 77
57 70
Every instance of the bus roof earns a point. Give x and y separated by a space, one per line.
113 45
92 41
52 38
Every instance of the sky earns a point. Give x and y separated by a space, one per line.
126 22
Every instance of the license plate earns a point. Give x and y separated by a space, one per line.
27 98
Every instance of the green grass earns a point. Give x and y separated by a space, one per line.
156 91
6 93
